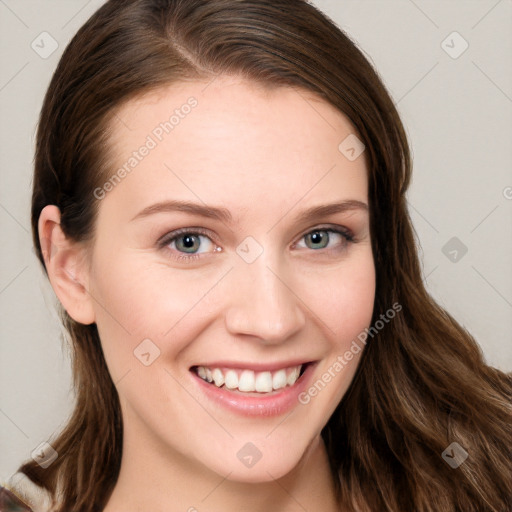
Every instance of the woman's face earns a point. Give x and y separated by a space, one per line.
251 288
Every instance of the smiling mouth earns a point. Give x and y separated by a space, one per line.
248 381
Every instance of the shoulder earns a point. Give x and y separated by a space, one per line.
21 491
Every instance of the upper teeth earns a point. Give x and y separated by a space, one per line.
248 380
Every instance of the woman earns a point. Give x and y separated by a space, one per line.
191 155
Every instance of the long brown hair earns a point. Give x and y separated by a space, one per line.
422 383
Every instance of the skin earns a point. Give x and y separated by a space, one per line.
265 156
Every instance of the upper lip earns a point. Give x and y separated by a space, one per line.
257 367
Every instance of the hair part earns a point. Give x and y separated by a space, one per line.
422 382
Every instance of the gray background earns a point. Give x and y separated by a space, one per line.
458 116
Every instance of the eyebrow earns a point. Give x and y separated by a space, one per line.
224 215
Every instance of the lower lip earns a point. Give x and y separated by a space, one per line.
267 405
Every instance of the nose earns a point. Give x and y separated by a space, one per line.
263 303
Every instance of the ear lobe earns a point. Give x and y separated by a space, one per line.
66 266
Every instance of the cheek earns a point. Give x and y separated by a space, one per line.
140 305
345 301
136 300
346 310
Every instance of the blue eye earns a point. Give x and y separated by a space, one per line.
187 241
323 237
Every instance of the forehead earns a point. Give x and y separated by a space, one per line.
228 108
233 140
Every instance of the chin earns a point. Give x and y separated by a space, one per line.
259 462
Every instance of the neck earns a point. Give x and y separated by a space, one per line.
150 479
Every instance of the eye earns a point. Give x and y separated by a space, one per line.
320 237
187 242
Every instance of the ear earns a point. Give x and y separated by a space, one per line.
66 264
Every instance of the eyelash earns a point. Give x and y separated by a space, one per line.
174 235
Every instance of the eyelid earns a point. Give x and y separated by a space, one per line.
171 235
342 230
